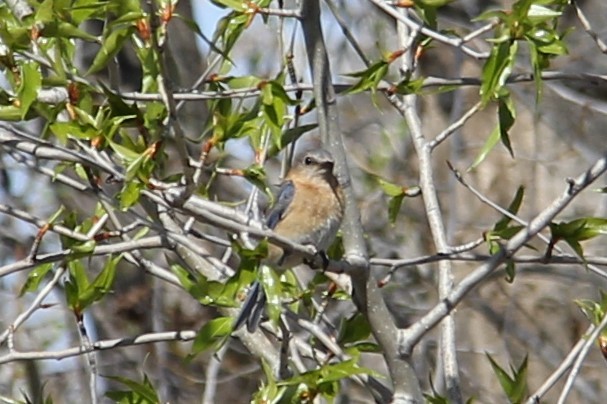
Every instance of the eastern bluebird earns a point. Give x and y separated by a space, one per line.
308 210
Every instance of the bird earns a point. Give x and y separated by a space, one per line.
309 209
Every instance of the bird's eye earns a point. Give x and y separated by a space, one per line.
308 161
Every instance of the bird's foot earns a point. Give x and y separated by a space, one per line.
314 263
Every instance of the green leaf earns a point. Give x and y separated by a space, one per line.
324 377
508 232
514 386
62 29
274 292
412 86
497 69
130 194
109 48
229 29
63 130
31 81
15 37
137 393
124 152
84 247
577 230
124 7
101 285
289 136
369 78
491 142
513 208
538 14
77 273
80 293
506 117
243 82
10 113
354 330
594 311
82 10
76 283
428 9
132 170
35 277
269 392
510 271
580 229
433 3
390 188
212 334
237 5
394 206
256 174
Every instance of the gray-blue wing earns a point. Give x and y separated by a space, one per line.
285 196
252 308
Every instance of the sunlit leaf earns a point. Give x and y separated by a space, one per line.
31 81
506 116
354 329
514 386
35 277
497 69
212 334
369 78
130 194
138 392
109 48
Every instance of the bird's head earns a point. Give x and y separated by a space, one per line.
318 162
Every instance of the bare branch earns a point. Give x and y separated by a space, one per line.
367 295
455 42
586 24
575 366
182 336
447 348
165 86
429 82
454 127
409 337
36 304
510 215
20 8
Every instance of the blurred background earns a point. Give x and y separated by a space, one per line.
553 139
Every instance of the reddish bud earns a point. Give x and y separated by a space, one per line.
143 29
404 3
395 55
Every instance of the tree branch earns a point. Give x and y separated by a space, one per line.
366 293
409 337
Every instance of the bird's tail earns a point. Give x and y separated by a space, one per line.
252 308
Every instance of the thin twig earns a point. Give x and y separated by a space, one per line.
577 364
410 336
35 305
455 42
99 346
165 88
454 127
447 347
429 82
588 28
505 212
367 295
